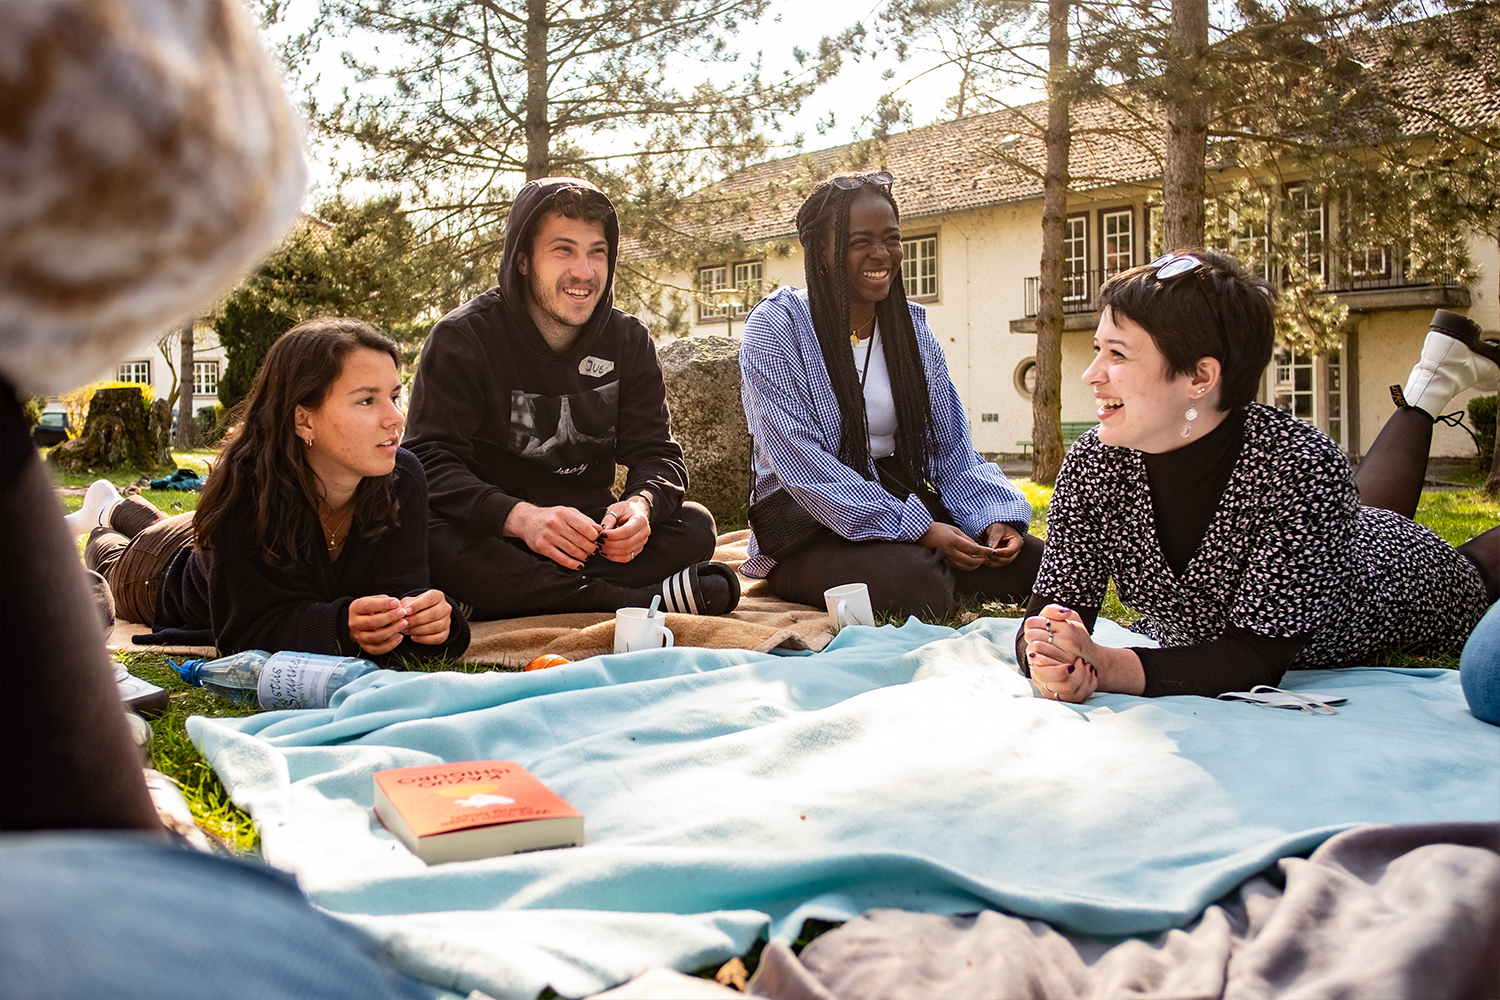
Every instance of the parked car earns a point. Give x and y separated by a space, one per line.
55 428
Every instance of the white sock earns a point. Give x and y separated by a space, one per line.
97 503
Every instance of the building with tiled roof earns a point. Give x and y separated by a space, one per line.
970 197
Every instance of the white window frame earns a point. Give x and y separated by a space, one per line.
135 372
203 384
711 281
1249 232
1309 224
1115 258
919 267
1075 278
749 280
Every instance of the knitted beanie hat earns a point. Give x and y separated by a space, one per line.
148 157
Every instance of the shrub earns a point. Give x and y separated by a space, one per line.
31 410
1482 416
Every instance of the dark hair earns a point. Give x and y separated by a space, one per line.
1218 311
823 225
580 203
264 459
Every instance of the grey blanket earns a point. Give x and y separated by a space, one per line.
1387 912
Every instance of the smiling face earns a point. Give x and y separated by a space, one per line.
356 429
566 273
1140 405
874 259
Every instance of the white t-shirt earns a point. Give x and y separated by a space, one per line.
880 405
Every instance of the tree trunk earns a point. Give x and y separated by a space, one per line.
1182 185
1046 400
1492 483
184 436
538 129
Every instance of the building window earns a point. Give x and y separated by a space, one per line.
919 272
1311 388
135 371
713 282
1076 259
205 378
1309 227
1117 232
1249 243
989 418
748 284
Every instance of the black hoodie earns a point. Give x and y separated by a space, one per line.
497 417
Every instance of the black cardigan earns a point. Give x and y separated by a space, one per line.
229 598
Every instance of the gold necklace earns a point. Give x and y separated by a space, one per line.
331 534
854 333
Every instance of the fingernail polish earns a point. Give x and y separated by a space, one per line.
1066 610
1030 656
1070 668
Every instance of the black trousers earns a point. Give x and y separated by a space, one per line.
904 578
502 578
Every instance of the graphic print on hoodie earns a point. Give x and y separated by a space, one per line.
563 432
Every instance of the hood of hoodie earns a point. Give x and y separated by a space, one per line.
530 205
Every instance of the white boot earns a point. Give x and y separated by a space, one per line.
1447 368
97 503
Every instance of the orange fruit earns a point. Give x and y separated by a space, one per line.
547 660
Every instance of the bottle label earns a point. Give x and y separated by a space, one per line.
296 680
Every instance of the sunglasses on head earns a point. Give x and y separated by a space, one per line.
848 182
1174 265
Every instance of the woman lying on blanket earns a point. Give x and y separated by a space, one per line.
1236 530
311 534
864 470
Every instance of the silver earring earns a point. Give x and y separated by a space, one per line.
1191 415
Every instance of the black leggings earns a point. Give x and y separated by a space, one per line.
1391 478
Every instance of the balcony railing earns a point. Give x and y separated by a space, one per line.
1081 291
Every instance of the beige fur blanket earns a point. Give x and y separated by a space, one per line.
762 622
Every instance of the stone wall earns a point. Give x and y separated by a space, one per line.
703 390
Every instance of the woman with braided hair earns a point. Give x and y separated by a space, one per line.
863 466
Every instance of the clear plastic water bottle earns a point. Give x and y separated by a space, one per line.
275 680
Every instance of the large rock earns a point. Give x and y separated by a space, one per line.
121 432
703 390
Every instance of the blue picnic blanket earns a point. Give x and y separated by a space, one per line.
902 767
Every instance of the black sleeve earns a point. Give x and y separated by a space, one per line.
1034 607
1236 661
643 437
450 398
399 566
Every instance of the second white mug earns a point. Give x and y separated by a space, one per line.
849 604
640 628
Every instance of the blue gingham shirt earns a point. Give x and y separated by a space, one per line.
795 420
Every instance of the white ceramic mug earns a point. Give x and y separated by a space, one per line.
849 604
640 628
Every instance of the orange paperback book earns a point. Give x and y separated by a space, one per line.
476 809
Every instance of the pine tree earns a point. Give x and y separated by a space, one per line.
470 98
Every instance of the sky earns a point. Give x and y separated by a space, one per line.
787 24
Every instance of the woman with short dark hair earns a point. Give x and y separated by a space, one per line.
1237 530
864 469
311 534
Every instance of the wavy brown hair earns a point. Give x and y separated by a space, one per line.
263 459
823 225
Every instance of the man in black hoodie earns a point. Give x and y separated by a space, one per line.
525 399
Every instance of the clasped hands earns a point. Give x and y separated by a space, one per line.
379 623
569 537
1061 654
1001 545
